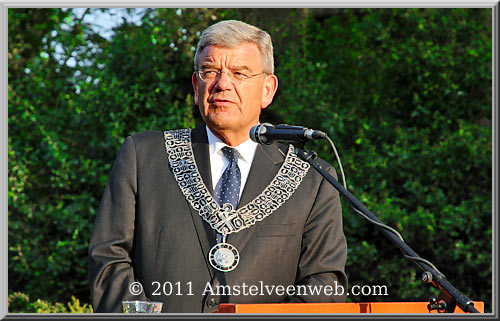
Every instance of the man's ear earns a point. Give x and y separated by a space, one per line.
269 89
194 81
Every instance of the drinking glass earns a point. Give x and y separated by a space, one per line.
142 306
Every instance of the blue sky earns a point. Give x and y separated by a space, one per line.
103 21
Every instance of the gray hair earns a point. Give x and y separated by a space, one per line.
231 33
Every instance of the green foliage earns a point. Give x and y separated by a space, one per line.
54 182
404 93
20 303
409 100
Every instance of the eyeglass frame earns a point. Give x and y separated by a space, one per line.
229 73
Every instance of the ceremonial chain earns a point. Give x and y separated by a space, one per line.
227 220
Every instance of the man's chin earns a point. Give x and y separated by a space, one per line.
220 123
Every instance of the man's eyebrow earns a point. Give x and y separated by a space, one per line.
240 68
207 65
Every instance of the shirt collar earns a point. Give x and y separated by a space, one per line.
246 149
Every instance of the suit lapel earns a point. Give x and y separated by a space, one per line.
206 235
265 166
201 154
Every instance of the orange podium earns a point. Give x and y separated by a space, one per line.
363 307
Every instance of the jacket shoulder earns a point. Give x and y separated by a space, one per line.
147 136
147 141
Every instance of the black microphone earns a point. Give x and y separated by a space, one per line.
267 133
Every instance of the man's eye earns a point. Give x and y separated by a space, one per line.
240 75
210 73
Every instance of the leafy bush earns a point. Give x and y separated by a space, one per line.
19 302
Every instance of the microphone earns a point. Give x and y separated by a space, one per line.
267 133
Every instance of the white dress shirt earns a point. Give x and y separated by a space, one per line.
218 162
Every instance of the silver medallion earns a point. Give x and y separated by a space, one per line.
224 257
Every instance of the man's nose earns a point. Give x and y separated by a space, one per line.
224 81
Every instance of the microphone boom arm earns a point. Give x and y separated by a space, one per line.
431 274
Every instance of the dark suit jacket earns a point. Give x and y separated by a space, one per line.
146 232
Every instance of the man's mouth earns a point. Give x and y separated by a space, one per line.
219 101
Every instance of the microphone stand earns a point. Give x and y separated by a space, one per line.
450 295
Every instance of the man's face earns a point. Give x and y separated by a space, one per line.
231 108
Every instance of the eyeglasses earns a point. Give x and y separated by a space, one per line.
236 77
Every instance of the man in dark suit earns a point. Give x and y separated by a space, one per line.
195 218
